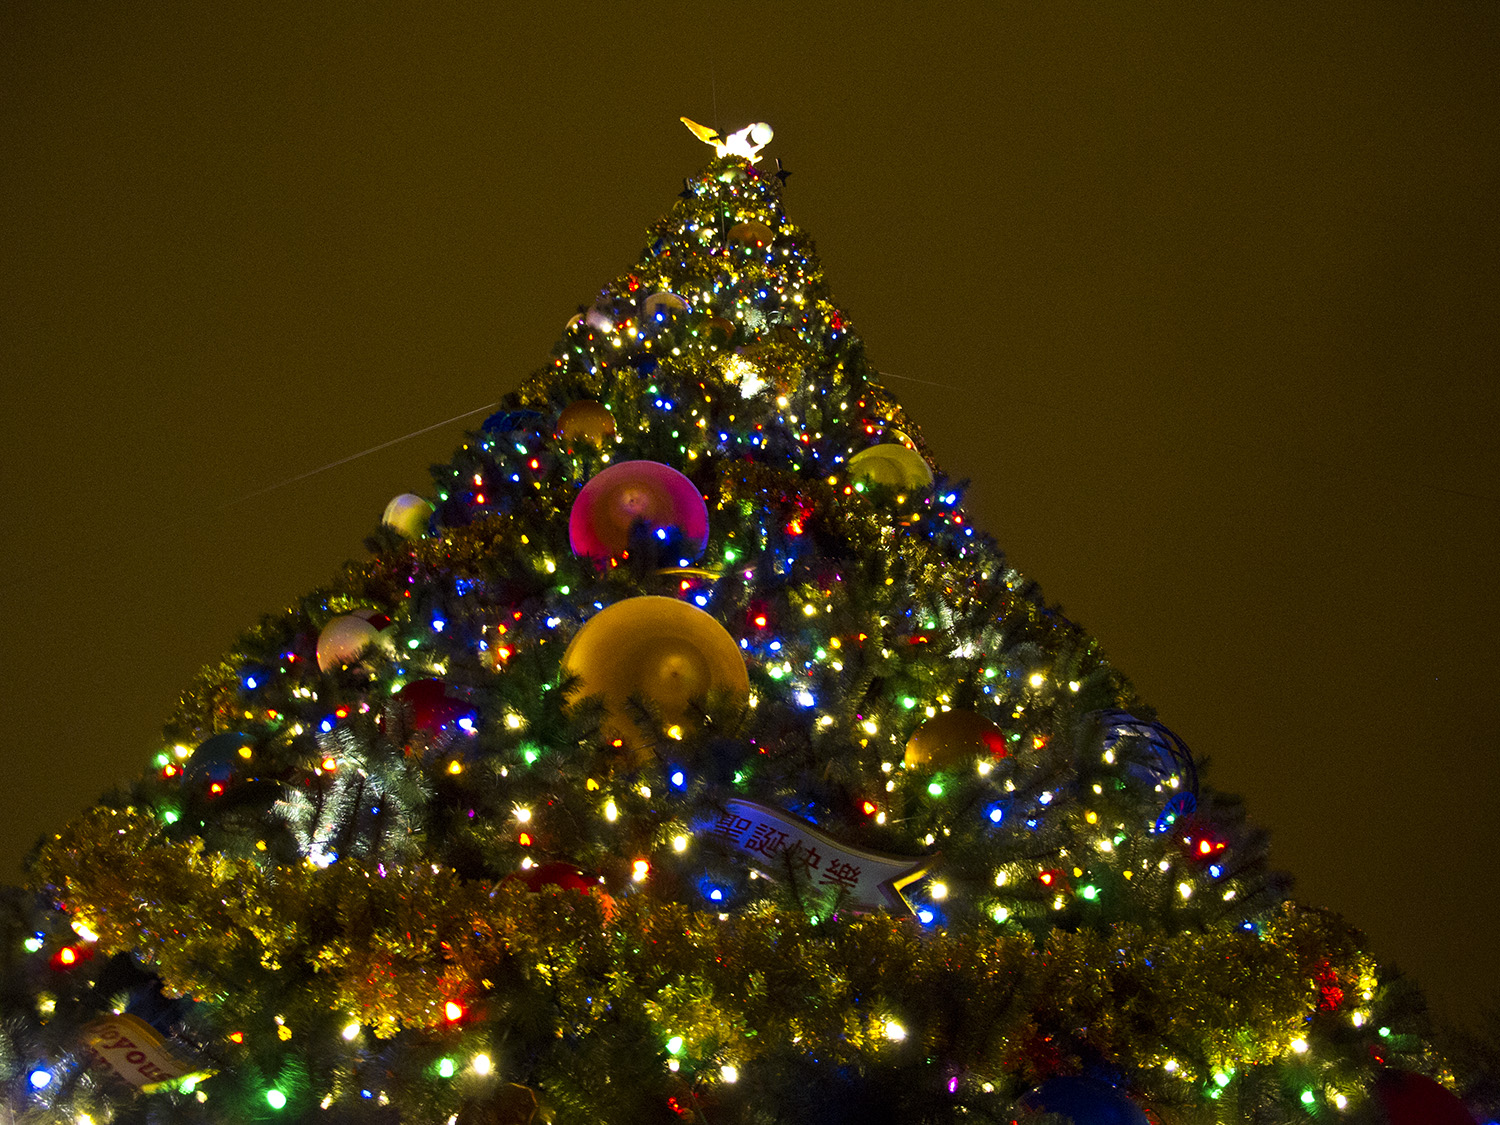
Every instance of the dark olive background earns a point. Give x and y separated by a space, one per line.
1205 299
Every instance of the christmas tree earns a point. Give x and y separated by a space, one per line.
687 755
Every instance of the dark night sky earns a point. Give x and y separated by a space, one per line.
1206 301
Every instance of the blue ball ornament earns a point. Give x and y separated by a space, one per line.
1152 755
1085 1101
216 758
510 421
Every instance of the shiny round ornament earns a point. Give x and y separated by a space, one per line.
1084 1101
1152 756
434 711
720 331
559 873
954 738
632 492
218 757
510 1104
662 308
660 649
751 233
408 514
892 465
586 422
1415 1099
343 640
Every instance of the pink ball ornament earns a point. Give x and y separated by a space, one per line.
647 492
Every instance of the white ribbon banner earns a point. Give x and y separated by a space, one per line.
134 1051
777 843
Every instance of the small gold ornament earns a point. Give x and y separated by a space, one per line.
952 738
586 421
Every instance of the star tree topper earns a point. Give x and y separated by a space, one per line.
747 142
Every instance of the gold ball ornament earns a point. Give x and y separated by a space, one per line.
586 421
954 738
660 649
408 515
720 331
896 466
662 308
752 232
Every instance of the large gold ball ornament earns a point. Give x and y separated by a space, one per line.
646 492
954 738
586 421
662 650
896 466
408 515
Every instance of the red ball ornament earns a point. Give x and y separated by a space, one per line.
559 873
1415 1099
436 712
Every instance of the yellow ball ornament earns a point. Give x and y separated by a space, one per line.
892 465
751 233
408 515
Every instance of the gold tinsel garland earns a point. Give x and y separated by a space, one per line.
393 949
